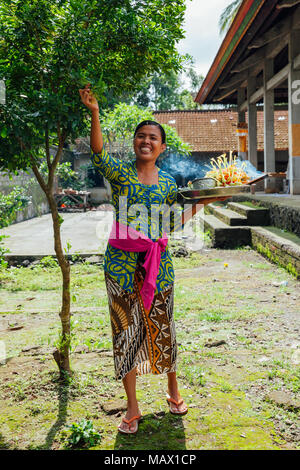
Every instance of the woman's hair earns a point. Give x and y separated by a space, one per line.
152 123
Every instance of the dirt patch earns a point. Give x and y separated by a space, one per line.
237 323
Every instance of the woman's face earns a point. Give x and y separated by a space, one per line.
148 144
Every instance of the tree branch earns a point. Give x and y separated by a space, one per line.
38 175
58 131
34 166
47 147
61 140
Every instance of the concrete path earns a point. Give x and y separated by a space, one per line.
87 232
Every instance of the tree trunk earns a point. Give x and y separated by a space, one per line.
61 354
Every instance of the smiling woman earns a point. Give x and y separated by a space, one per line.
149 142
139 270
138 267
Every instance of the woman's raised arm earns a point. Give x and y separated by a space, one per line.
96 139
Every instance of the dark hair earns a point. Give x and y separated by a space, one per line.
152 123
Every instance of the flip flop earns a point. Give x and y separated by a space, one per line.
128 421
177 403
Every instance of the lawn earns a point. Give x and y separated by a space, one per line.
237 323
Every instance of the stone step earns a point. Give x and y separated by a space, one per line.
225 236
278 249
284 209
255 216
227 216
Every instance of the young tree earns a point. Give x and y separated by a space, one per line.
119 124
51 48
166 91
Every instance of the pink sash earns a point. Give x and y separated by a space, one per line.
129 239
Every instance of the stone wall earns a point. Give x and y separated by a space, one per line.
282 252
38 205
99 194
281 216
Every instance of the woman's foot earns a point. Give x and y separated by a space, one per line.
176 403
130 427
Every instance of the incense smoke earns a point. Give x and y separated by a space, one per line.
184 168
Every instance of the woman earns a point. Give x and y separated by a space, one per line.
142 321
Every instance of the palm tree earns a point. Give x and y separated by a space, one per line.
228 15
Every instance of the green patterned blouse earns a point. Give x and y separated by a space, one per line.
144 203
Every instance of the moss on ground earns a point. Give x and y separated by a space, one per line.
224 386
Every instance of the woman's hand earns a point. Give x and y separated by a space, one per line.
88 99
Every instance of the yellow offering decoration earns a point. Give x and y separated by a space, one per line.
226 173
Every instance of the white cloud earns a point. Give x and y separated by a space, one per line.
202 39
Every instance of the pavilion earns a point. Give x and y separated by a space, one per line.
259 62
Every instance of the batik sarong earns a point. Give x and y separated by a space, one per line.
144 339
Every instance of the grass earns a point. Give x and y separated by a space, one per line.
219 383
284 371
284 234
251 204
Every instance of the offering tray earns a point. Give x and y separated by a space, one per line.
217 191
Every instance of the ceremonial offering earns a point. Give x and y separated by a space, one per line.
224 179
226 172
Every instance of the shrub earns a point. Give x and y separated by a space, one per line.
3 250
67 177
11 203
83 433
48 262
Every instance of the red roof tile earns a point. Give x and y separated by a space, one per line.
215 130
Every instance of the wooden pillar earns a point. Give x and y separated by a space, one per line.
294 115
252 123
269 141
242 153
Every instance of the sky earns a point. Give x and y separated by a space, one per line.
202 39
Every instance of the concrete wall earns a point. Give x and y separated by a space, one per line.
81 160
38 205
100 193
281 160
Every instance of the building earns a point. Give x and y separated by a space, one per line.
213 132
259 62
79 154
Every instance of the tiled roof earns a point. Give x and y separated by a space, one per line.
215 130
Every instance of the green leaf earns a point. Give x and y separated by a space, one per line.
3 132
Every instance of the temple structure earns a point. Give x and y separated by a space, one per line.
259 62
